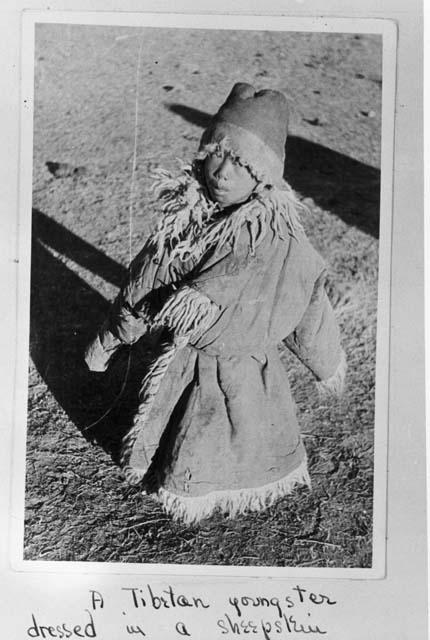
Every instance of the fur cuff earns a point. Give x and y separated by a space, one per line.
100 350
188 313
334 386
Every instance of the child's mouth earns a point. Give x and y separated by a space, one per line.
216 188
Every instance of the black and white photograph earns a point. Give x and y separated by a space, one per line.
207 301
214 333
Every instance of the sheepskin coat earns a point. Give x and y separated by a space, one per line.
220 426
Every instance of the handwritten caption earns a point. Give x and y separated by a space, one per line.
289 615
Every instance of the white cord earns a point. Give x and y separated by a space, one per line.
130 224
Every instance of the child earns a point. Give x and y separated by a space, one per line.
228 275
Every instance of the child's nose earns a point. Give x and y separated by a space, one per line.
223 170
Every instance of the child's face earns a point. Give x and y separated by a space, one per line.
228 181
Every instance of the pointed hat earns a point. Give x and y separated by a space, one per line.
253 125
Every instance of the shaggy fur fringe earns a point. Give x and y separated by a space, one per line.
232 503
189 225
335 385
188 313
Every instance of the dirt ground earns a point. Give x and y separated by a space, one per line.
77 505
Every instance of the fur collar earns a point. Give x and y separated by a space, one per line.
192 223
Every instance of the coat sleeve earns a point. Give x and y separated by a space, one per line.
316 340
149 280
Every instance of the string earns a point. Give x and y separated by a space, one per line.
134 164
130 223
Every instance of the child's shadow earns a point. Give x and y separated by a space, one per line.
65 313
346 187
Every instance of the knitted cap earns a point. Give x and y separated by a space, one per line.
253 125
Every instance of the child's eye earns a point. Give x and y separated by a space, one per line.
235 159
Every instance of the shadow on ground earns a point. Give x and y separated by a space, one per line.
66 311
348 188
65 314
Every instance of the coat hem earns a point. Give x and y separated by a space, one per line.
191 510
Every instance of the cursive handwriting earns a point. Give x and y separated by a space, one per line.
62 630
287 624
167 599
300 595
237 614
131 629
